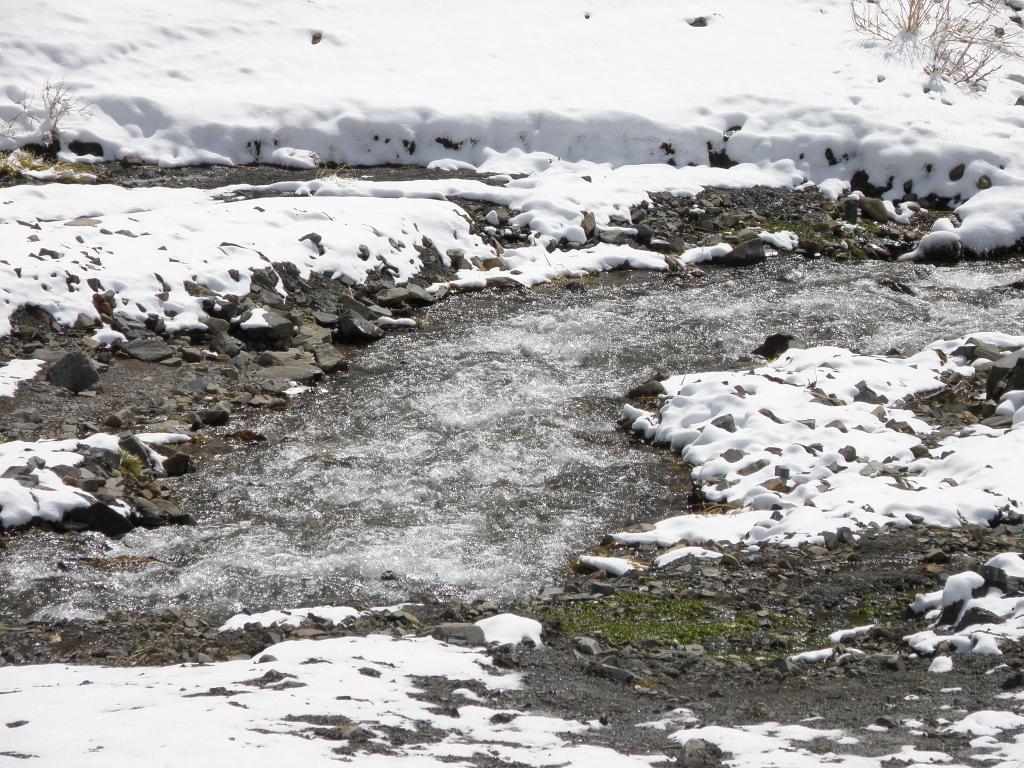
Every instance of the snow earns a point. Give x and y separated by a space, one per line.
293 617
962 593
51 499
13 372
118 717
615 566
678 553
509 629
1010 563
813 657
941 665
845 635
146 245
817 441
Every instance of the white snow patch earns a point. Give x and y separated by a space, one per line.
509 629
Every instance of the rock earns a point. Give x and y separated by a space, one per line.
650 388
743 254
975 615
328 359
356 329
998 577
1014 681
275 328
406 294
459 634
304 374
326 319
851 210
588 646
83 148
177 464
215 416
148 350
698 753
1005 375
588 225
74 372
135 447
942 247
725 421
98 517
776 344
875 209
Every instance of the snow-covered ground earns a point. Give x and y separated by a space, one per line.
296 702
553 93
817 441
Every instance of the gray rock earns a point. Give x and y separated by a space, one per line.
851 210
650 388
177 464
276 329
326 319
406 294
148 350
460 634
726 422
304 374
135 447
875 209
744 254
98 517
698 753
356 329
1005 375
74 372
588 646
328 359
214 417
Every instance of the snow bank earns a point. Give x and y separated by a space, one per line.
13 372
42 494
293 617
971 615
149 246
509 629
816 442
266 714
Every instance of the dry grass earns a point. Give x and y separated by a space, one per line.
964 41
56 106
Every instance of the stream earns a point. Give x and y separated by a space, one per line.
476 456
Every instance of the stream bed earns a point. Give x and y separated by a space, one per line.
477 455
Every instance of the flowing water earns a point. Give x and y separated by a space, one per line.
475 456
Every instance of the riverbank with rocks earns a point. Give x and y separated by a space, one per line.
729 637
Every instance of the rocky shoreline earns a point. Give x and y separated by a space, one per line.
721 638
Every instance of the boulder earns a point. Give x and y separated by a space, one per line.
328 359
356 329
460 634
743 254
941 247
698 753
875 209
272 328
1005 375
303 374
148 350
74 372
98 517
776 344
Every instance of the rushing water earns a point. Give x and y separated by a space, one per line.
476 455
